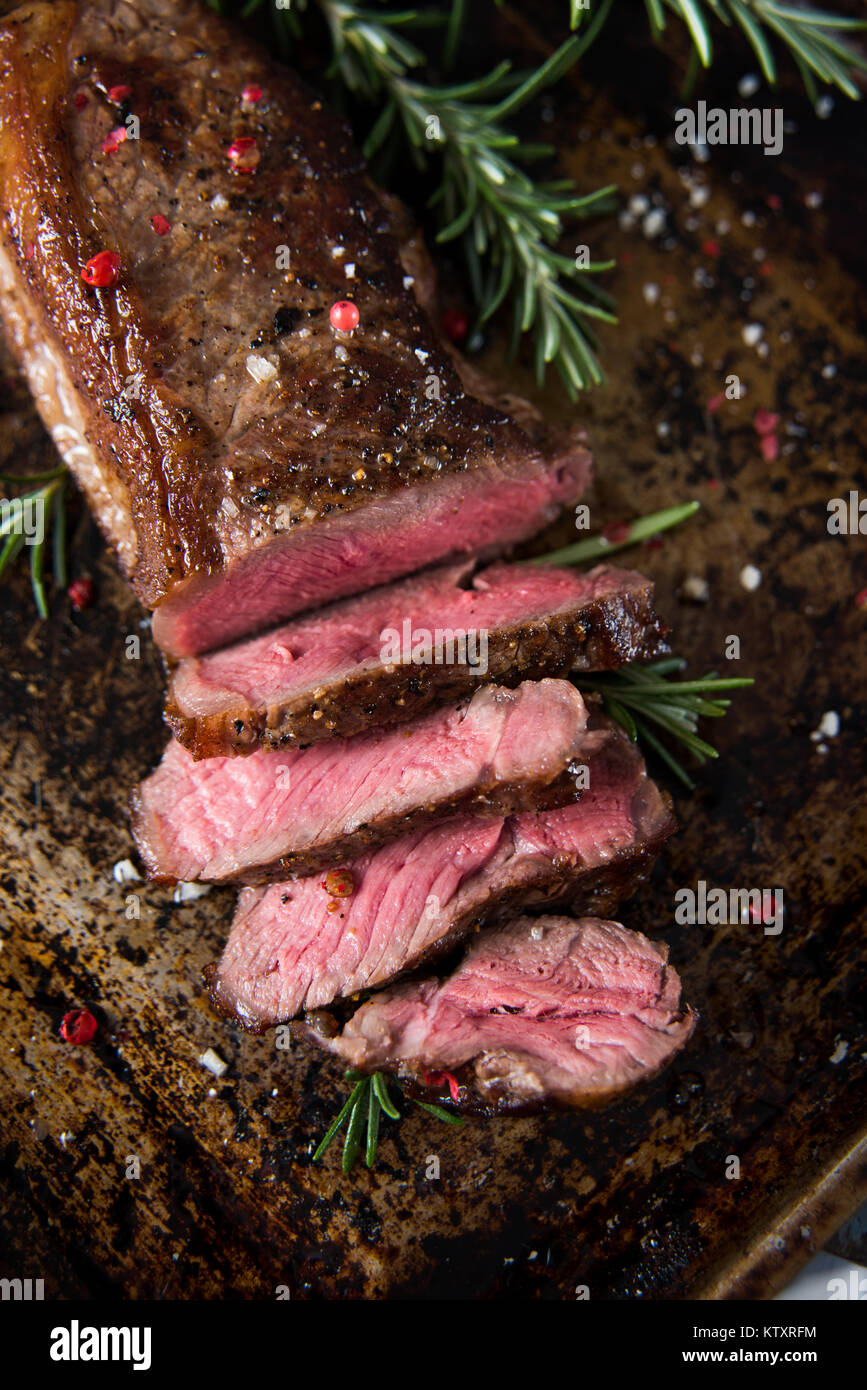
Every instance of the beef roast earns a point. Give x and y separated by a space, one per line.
276 814
386 656
246 459
545 1010
293 947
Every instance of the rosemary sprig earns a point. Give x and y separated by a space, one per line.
635 695
594 547
507 225
50 499
813 37
368 1100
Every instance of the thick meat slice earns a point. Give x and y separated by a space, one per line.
292 947
546 1010
247 460
273 815
385 657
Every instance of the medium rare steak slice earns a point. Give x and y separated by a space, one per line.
546 1010
292 947
386 656
273 815
246 459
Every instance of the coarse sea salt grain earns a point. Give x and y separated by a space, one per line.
829 725
219 202
752 333
260 368
213 1062
651 293
125 871
750 577
189 892
653 223
696 588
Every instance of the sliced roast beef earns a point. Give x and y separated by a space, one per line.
295 946
386 656
247 459
545 1010
276 814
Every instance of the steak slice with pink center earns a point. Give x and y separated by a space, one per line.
293 947
385 657
277 814
543 1011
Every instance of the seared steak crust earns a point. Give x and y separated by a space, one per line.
259 693
247 460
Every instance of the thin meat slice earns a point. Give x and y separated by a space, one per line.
385 657
543 1011
276 814
247 459
293 947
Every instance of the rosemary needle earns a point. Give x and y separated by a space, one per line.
594 547
353 1129
44 492
439 1113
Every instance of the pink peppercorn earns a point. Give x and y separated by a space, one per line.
81 592
344 316
243 154
102 270
78 1026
